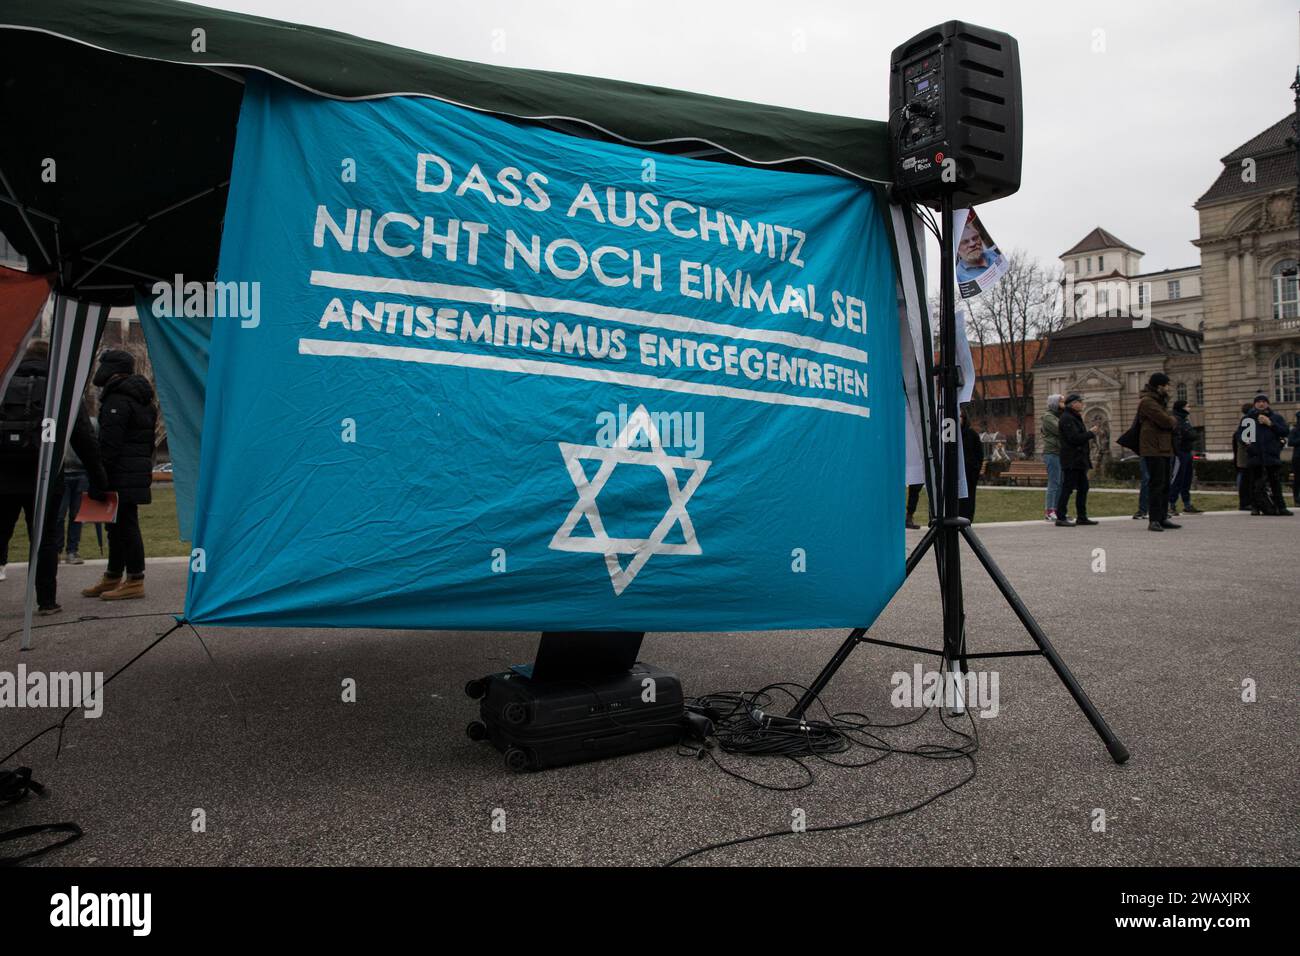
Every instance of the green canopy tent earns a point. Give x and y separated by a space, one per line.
119 125
119 131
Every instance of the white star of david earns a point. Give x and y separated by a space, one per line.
619 454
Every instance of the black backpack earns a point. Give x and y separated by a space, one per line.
21 415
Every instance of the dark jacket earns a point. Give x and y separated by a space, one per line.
18 470
1293 440
1266 449
973 452
1075 441
1184 434
1157 439
127 415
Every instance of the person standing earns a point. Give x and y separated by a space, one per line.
75 483
1180 482
913 501
1293 440
1264 457
127 418
1050 428
1156 445
1244 496
973 457
21 427
1076 459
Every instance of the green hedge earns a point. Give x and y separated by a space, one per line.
1216 472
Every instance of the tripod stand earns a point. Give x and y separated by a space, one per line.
947 527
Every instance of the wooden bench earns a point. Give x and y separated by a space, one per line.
1025 472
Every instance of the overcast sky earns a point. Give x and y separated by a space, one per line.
1127 137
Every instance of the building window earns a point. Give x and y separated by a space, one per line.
1181 391
1135 381
1284 290
1142 295
1286 377
1103 302
1200 393
1175 289
1101 263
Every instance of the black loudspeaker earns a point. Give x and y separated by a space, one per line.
955 119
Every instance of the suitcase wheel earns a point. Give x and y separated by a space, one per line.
517 760
515 712
477 730
476 689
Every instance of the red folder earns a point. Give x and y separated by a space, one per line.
97 512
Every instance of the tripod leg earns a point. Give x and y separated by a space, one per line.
1113 744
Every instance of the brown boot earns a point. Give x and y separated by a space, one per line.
132 587
105 584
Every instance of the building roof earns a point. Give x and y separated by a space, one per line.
1093 277
1106 338
1099 239
1160 272
1274 165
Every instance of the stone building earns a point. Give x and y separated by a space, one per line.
1107 359
1223 330
1102 275
1249 252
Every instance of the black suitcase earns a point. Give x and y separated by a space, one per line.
538 725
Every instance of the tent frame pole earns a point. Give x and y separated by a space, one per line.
23 211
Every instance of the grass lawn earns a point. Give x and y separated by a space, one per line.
161 538
1004 504
157 524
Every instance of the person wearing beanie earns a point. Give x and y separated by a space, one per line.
1076 459
1180 481
127 419
23 414
1050 429
1293 440
1262 432
1156 446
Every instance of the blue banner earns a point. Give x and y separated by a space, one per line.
483 375
178 351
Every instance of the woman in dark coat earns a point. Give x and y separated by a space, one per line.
127 416
1076 459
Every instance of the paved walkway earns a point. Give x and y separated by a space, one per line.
285 772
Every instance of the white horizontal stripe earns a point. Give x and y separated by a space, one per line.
537 303
496 363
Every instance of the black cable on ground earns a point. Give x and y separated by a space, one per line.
15 785
744 728
58 725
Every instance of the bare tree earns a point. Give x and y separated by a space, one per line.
1018 310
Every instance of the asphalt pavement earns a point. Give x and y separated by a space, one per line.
258 744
